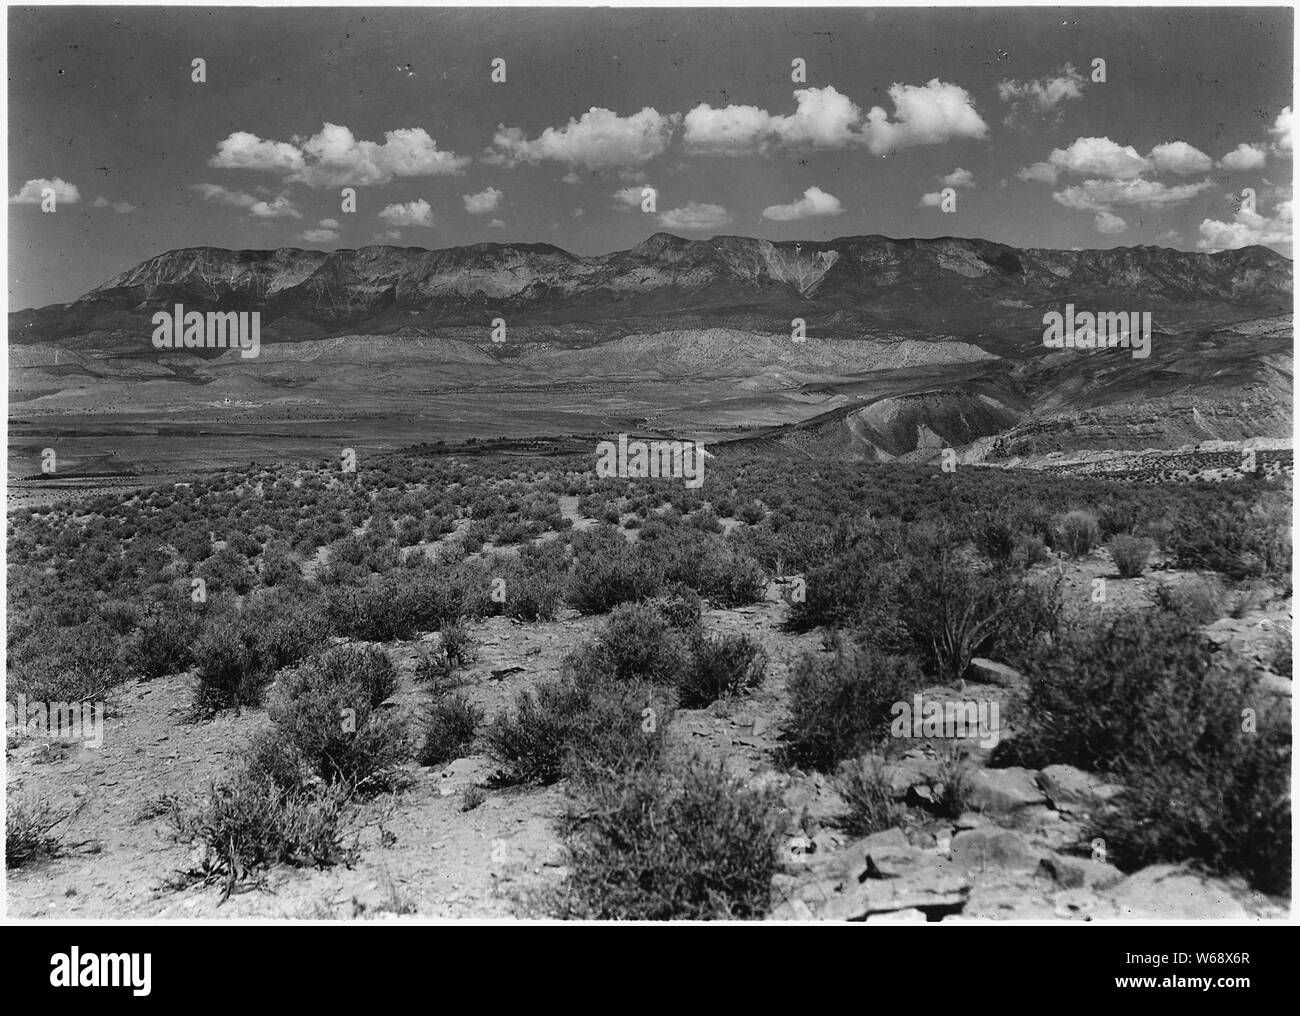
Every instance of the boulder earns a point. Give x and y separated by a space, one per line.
1002 791
985 671
1079 872
992 850
1071 789
1171 892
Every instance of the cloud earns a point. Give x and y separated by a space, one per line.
412 213
631 197
926 114
320 235
333 157
933 199
278 208
1180 158
694 215
1282 131
483 202
1043 172
1105 195
958 178
242 150
1244 157
815 202
826 119
496 224
329 223
30 193
1099 157
1247 228
121 207
599 138
1108 223
1042 97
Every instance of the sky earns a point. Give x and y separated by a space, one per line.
611 125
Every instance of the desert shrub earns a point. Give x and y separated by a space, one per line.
1145 702
714 567
456 642
578 730
409 531
160 645
636 643
954 609
448 730
866 789
228 570
1130 554
1029 550
607 572
720 667
679 605
328 712
1239 541
1199 599
995 539
1252 594
79 663
230 673
1097 695
841 706
250 823
279 566
689 843
381 611
751 513
119 616
1077 533
29 830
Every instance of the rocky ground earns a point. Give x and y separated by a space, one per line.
422 854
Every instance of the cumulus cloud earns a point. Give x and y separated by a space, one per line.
121 207
483 202
931 200
1180 158
1247 228
1281 131
1244 157
496 224
958 178
30 193
1105 195
1043 97
278 208
824 118
320 235
334 157
598 139
632 197
815 202
694 215
926 114
1042 172
412 213
329 223
1099 157
1107 223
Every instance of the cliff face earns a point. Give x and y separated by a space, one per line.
843 286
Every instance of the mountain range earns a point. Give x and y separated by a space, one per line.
912 345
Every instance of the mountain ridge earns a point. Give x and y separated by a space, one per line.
843 285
